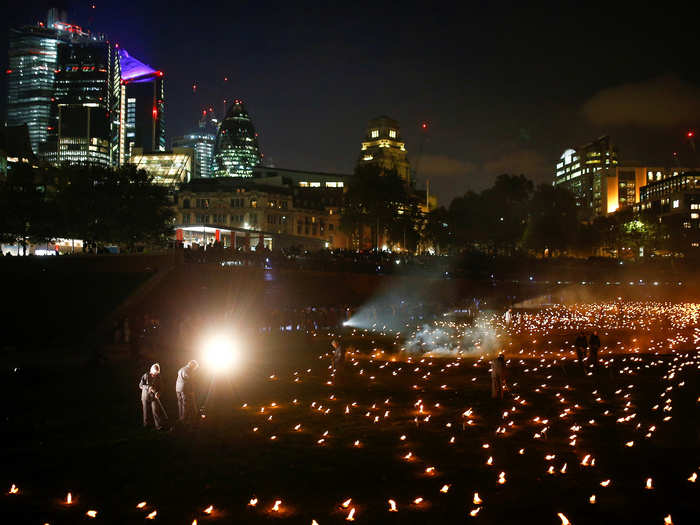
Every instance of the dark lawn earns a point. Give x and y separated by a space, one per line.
76 427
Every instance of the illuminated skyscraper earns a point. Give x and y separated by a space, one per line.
383 148
236 153
138 119
202 142
81 105
32 62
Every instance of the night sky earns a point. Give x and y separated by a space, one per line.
505 87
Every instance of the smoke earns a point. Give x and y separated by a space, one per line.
457 338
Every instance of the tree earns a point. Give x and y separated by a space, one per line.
552 220
95 204
378 201
22 213
437 230
507 205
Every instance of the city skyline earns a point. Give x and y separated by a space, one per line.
501 92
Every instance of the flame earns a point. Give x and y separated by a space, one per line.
605 483
693 477
141 505
91 513
209 509
392 506
253 502
351 515
474 512
564 520
477 500
276 506
591 500
490 460
668 520
444 489
194 522
152 515
69 498
14 489
649 485
502 478
418 501
346 503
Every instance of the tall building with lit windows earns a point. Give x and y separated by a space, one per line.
586 171
202 143
32 64
236 152
80 111
383 147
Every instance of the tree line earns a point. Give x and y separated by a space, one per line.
515 216
512 217
95 204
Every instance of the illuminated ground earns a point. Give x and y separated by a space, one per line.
423 436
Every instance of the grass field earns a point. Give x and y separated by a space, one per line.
385 430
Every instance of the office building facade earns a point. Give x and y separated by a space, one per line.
80 112
202 143
585 171
674 202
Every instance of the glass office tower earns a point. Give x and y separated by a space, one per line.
236 153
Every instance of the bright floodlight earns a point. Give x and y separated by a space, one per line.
219 353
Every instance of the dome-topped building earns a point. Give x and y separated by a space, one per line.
236 152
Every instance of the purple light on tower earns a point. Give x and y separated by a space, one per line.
134 70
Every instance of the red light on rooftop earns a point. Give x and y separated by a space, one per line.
155 112
159 73
424 125
690 134
8 71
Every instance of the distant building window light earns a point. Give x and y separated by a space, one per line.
695 216
368 157
676 203
374 133
304 184
315 184
392 133
330 184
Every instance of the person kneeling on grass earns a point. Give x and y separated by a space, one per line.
151 387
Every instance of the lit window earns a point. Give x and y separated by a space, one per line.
304 184
676 203
315 184
392 133
695 215
374 133
331 184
